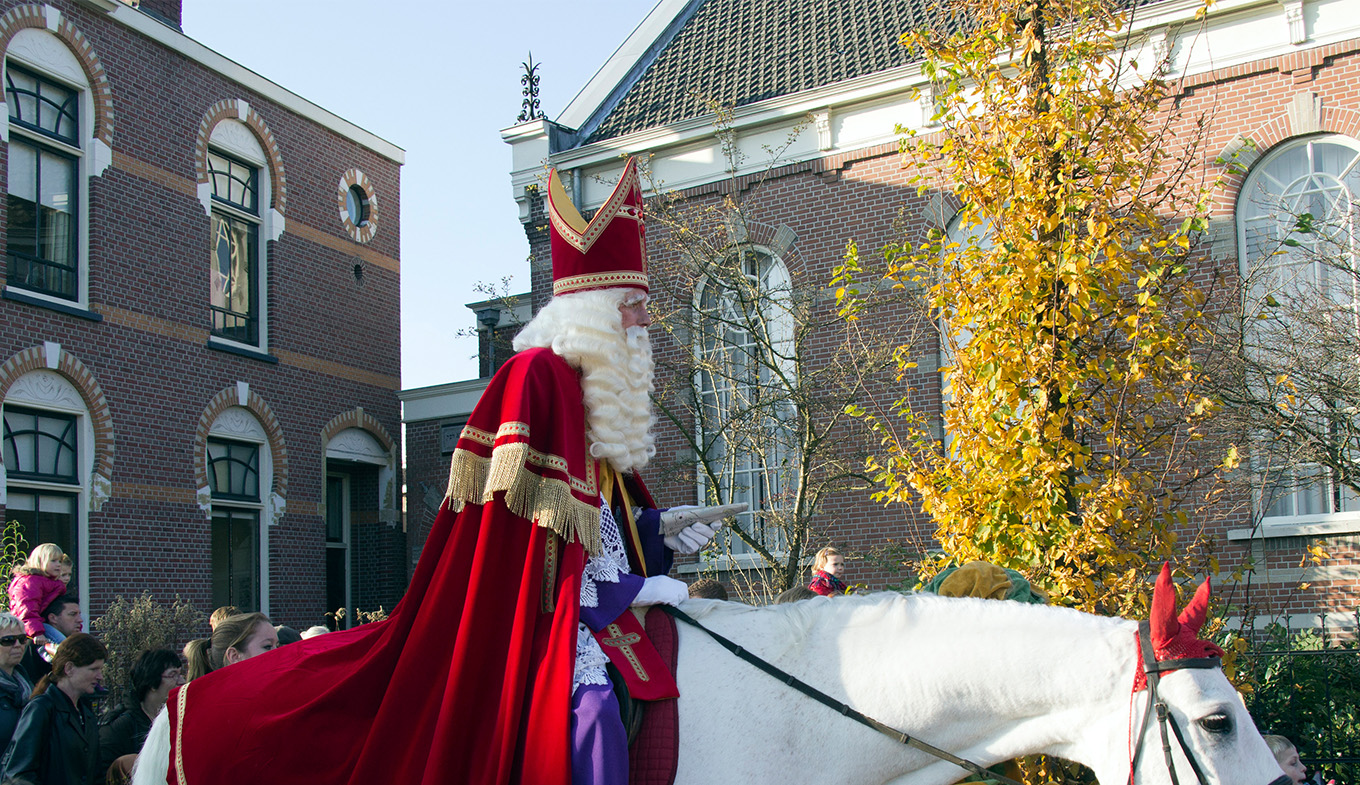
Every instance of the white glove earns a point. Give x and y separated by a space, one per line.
689 528
661 590
691 538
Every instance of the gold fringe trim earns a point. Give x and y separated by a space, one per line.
546 501
183 702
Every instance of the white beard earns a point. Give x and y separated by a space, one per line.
585 329
617 386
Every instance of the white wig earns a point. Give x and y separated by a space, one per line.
586 330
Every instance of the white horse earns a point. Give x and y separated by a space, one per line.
983 679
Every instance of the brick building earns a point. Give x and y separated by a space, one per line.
199 321
825 82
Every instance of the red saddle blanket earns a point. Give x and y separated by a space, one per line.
655 753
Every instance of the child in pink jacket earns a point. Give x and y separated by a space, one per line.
36 583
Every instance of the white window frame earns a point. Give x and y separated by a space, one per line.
344 545
234 138
354 446
955 242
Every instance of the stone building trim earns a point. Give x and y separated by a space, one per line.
46 17
387 475
1302 65
241 395
1302 114
50 356
238 109
352 179
357 418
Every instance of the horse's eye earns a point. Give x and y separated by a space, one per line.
1217 723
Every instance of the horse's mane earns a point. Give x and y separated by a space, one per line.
787 626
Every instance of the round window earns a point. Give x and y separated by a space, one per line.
356 204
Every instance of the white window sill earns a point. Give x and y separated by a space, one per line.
69 307
1301 526
241 349
739 561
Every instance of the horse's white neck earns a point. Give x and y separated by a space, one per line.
1027 678
985 680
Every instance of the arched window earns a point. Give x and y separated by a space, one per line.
744 348
240 474
958 237
51 152
1296 225
238 176
356 469
48 460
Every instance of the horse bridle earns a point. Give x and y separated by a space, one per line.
1153 669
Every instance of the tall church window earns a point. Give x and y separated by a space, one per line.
747 420
1296 224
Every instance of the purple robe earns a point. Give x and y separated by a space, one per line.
599 754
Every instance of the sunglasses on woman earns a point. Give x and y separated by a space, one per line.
9 640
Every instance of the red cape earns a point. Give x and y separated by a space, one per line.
469 680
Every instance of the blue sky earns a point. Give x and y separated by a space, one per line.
382 66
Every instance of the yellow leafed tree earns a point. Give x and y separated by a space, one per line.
1064 288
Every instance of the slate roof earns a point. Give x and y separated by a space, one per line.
739 52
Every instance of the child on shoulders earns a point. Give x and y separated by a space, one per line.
36 583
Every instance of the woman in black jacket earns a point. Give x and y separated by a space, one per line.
14 687
123 729
57 740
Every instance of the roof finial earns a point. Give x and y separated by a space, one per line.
529 108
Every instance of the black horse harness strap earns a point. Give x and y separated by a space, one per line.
1153 669
839 706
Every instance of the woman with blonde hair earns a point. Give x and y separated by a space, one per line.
57 740
234 639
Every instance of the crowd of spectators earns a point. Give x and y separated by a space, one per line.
57 727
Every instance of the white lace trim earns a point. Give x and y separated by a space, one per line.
604 568
590 660
609 565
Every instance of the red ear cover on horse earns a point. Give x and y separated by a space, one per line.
1166 627
1192 618
1162 616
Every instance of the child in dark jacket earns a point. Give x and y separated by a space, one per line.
824 568
36 583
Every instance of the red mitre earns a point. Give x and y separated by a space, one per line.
608 251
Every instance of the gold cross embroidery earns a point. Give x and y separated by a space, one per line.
624 643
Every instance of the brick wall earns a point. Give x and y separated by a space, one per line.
427 478
336 339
